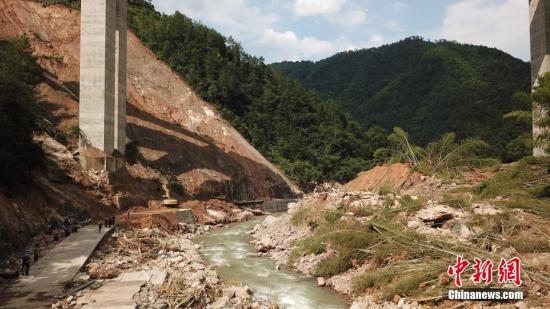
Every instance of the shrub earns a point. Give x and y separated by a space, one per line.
332 216
335 264
301 216
456 201
410 205
386 189
376 278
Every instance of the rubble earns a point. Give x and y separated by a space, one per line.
440 220
157 265
485 209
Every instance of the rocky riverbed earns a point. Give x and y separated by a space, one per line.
154 267
277 238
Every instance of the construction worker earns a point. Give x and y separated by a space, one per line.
26 263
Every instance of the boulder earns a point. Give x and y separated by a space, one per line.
321 281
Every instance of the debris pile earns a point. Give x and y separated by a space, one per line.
391 248
154 264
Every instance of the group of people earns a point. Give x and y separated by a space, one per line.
108 222
68 226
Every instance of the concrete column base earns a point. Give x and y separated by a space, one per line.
95 159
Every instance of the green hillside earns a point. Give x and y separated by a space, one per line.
427 88
310 139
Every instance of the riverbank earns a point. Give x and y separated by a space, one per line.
156 264
279 237
388 243
229 250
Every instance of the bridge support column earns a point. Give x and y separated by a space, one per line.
102 110
539 19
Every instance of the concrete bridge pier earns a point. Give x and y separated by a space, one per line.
539 25
102 110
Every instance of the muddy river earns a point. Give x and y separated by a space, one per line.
228 248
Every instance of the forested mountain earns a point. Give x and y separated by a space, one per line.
427 88
310 139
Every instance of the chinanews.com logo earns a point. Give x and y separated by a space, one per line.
508 272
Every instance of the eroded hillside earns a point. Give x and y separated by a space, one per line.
172 133
176 132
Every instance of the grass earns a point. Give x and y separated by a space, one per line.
374 279
520 180
410 284
332 216
458 201
302 216
539 207
311 245
362 211
411 205
525 185
407 263
336 264
405 279
531 244
386 189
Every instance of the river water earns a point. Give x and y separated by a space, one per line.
226 249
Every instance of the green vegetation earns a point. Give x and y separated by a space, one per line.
332 216
456 200
70 3
410 204
310 139
444 157
19 155
541 95
374 279
523 185
403 261
386 189
428 89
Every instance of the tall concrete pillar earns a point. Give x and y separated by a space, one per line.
102 110
539 19
120 78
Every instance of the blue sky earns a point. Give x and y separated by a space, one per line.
315 29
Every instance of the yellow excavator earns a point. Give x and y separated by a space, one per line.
167 200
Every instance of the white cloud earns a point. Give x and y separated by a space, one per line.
394 26
233 17
317 7
489 22
334 11
376 40
288 46
400 5
350 18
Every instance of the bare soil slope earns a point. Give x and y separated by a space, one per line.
178 133
394 175
174 133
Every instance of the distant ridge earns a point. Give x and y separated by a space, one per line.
428 88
